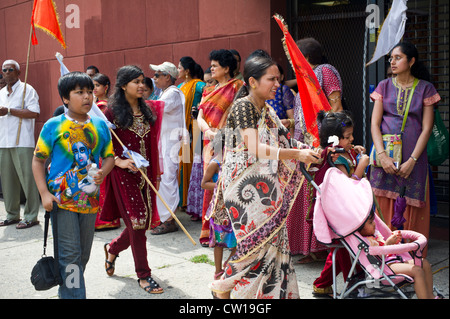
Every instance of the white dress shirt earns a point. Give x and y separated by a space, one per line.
9 124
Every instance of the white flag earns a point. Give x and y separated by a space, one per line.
392 30
95 111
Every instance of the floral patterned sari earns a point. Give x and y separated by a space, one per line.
258 195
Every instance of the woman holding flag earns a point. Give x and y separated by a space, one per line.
260 178
127 195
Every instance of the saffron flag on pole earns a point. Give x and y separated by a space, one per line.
392 30
311 95
45 17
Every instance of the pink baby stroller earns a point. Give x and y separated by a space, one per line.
342 207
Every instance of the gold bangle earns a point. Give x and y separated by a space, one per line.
378 154
292 123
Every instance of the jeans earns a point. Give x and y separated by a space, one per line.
75 234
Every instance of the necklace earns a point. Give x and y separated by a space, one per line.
251 100
406 85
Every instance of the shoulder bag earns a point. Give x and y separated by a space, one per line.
45 273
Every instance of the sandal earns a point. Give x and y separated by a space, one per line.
109 265
323 292
151 288
164 228
217 275
8 222
26 224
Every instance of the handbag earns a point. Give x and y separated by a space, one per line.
438 144
45 273
393 142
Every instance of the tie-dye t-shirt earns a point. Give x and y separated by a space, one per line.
72 147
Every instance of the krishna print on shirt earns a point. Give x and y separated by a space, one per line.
68 177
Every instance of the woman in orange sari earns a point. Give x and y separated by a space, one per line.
213 112
192 87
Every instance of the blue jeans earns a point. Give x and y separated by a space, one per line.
75 237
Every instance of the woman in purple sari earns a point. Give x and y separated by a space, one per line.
391 98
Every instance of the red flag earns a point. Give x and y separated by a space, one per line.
44 17
311 95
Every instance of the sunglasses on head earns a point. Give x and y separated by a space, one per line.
10 70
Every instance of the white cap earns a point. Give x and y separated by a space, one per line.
166 67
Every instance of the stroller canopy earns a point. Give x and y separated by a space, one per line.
342 206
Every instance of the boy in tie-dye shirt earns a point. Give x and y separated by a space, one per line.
73 142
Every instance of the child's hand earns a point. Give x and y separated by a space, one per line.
99 177
364 160
47 201
395 238
359 149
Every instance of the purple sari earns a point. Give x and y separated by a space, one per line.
425 95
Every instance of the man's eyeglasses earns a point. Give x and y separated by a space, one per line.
10 70
157 75
397 58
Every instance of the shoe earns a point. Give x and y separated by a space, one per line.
26 224
166 227
109 265
152 288
8 222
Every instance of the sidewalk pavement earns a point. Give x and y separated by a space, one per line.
170 258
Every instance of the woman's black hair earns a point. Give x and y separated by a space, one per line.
259 53
194 68
70 81
333 123
254 68
418 69
103 80
225 59
119 104
280 68
148 81
311 49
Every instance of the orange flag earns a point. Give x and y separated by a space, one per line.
311 95
44 17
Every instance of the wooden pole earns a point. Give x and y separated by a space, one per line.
25 87
157 193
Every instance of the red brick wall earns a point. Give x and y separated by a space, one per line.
113 33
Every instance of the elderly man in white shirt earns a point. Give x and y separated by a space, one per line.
17 144
172 128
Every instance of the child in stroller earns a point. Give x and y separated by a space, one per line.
423 277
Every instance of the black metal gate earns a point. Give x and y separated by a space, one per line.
340 26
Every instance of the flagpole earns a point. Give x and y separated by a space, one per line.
157 193
25 87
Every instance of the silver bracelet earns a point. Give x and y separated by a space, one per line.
278 154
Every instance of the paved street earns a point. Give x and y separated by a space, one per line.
170 257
